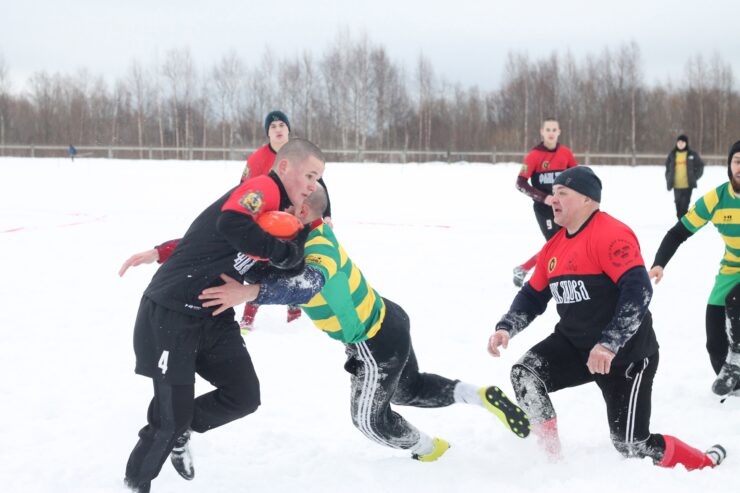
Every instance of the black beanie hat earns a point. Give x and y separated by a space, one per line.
683 138
583 180
733 150
276 116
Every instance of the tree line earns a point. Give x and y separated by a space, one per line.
354 96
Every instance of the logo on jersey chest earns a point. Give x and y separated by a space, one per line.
252 201
545 164
548 178
622 252
552 264
569 291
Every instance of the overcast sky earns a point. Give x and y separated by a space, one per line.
466 40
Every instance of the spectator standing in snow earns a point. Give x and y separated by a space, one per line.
683 168
721 206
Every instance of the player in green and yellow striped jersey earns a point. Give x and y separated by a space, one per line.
721 207
380 357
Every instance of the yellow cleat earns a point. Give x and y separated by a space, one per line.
508 412
440 447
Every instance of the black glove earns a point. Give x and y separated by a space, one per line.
289 254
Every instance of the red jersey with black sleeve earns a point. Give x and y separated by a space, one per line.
598 280
259 162
224 238
543 165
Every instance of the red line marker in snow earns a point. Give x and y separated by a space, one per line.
64 225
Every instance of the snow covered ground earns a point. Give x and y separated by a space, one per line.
439 239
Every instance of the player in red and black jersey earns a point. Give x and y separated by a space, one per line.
175 337
542 165
594 270
259 163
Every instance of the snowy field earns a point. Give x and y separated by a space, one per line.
439 239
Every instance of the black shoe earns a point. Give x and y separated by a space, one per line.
137 488
727 379
181 457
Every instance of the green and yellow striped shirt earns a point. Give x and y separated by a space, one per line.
347 308
722 207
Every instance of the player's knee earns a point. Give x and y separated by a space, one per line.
242 401
531 392
524 379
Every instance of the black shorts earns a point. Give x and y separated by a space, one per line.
171 346
627 390
545 219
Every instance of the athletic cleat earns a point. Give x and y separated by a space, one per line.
508 412
440 447
181 457
728 376
519 275
716 454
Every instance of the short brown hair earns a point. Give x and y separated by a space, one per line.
298 150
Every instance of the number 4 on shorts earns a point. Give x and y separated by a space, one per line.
163 361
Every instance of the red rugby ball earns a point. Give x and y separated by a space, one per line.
280 224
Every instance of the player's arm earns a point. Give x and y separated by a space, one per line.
237 224
523 186
635 293
295 290
671 241
528 304
273 290
158 254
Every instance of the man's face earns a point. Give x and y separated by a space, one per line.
680 145
735 168
300 178
550 132
278 133
566 204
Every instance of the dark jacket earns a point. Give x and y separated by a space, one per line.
694 167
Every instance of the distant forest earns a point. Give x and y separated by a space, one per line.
354 96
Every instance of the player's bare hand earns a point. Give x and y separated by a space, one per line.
327 220
656 273
548 200
498 339
600 360
228 295
146 257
